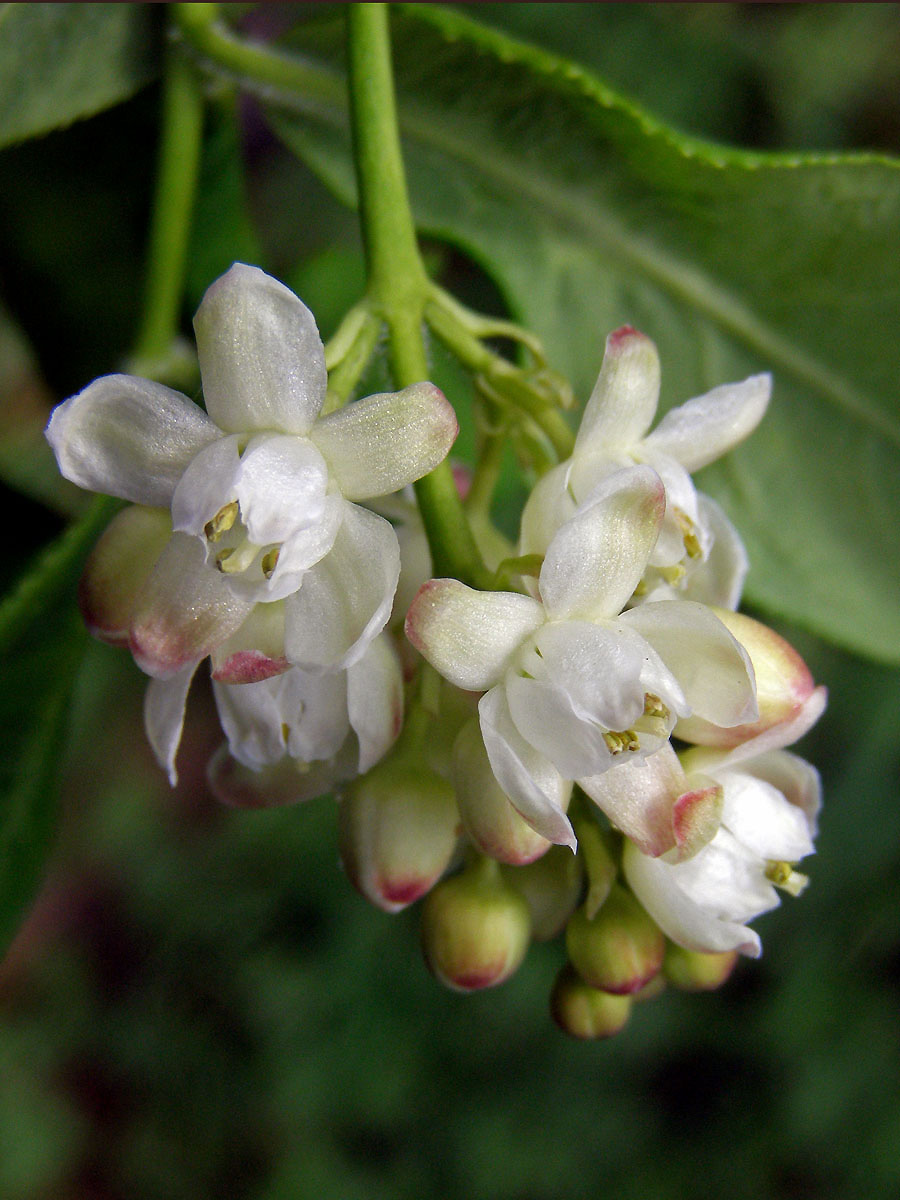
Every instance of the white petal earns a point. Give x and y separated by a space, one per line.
703 429
128 437
250 716
711 666
762 819
638 796
596 559
537 790
375 700
207 485
261 357
548 507
680 498
625 395
255 651
470 636
728 879
304 549
118 567
380 444
281 488
720 579
796 779
314 709
164 704
656 885
184 611
278 784
345 599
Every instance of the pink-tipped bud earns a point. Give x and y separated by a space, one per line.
475 928
585 1012
490 820
551 887
397 832
690 971
783 684
117 569
620 949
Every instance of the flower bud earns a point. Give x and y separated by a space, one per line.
783 684
490 820
551 887
691 971
117 569
475 928
397 832
585 1012
618 950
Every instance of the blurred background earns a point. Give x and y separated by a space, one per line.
199 1006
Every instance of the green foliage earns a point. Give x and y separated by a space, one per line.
590 214
62 62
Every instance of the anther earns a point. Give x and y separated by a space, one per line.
654 707
269 561
783 875
620 740
222 521
689 537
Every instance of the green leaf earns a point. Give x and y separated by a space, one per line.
590 214
41 642
62 62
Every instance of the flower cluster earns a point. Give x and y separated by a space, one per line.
601 749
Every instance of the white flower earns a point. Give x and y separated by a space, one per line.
575 688
698 551
771 800
261 488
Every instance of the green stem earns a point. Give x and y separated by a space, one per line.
179 163
398 284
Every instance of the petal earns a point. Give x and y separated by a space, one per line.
656 885
535 787
345 599
255 651
117 569
250 716
208 483
625 395
639 796
548 507
796 779
375 700
711 666
164 704
304 549
762 820
596 559
261 357
185 610
470 636
281 488
281 783
380 444
703 429
128 437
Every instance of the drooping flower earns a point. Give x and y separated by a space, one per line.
262 490
573 685
297 735
698 553
770 803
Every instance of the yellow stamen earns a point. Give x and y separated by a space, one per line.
783 875
673 574
269 561
222 521
654 707
687 527
620 740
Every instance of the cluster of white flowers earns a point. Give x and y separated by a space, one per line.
253 540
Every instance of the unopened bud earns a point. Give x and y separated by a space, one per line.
397 832
551 887
475 928
691 971
620 949
585 1012
118 567
783 684
490 820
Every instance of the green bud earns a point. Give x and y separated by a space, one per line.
397 831
475 928
585 1012
692 971
551 887
620 949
